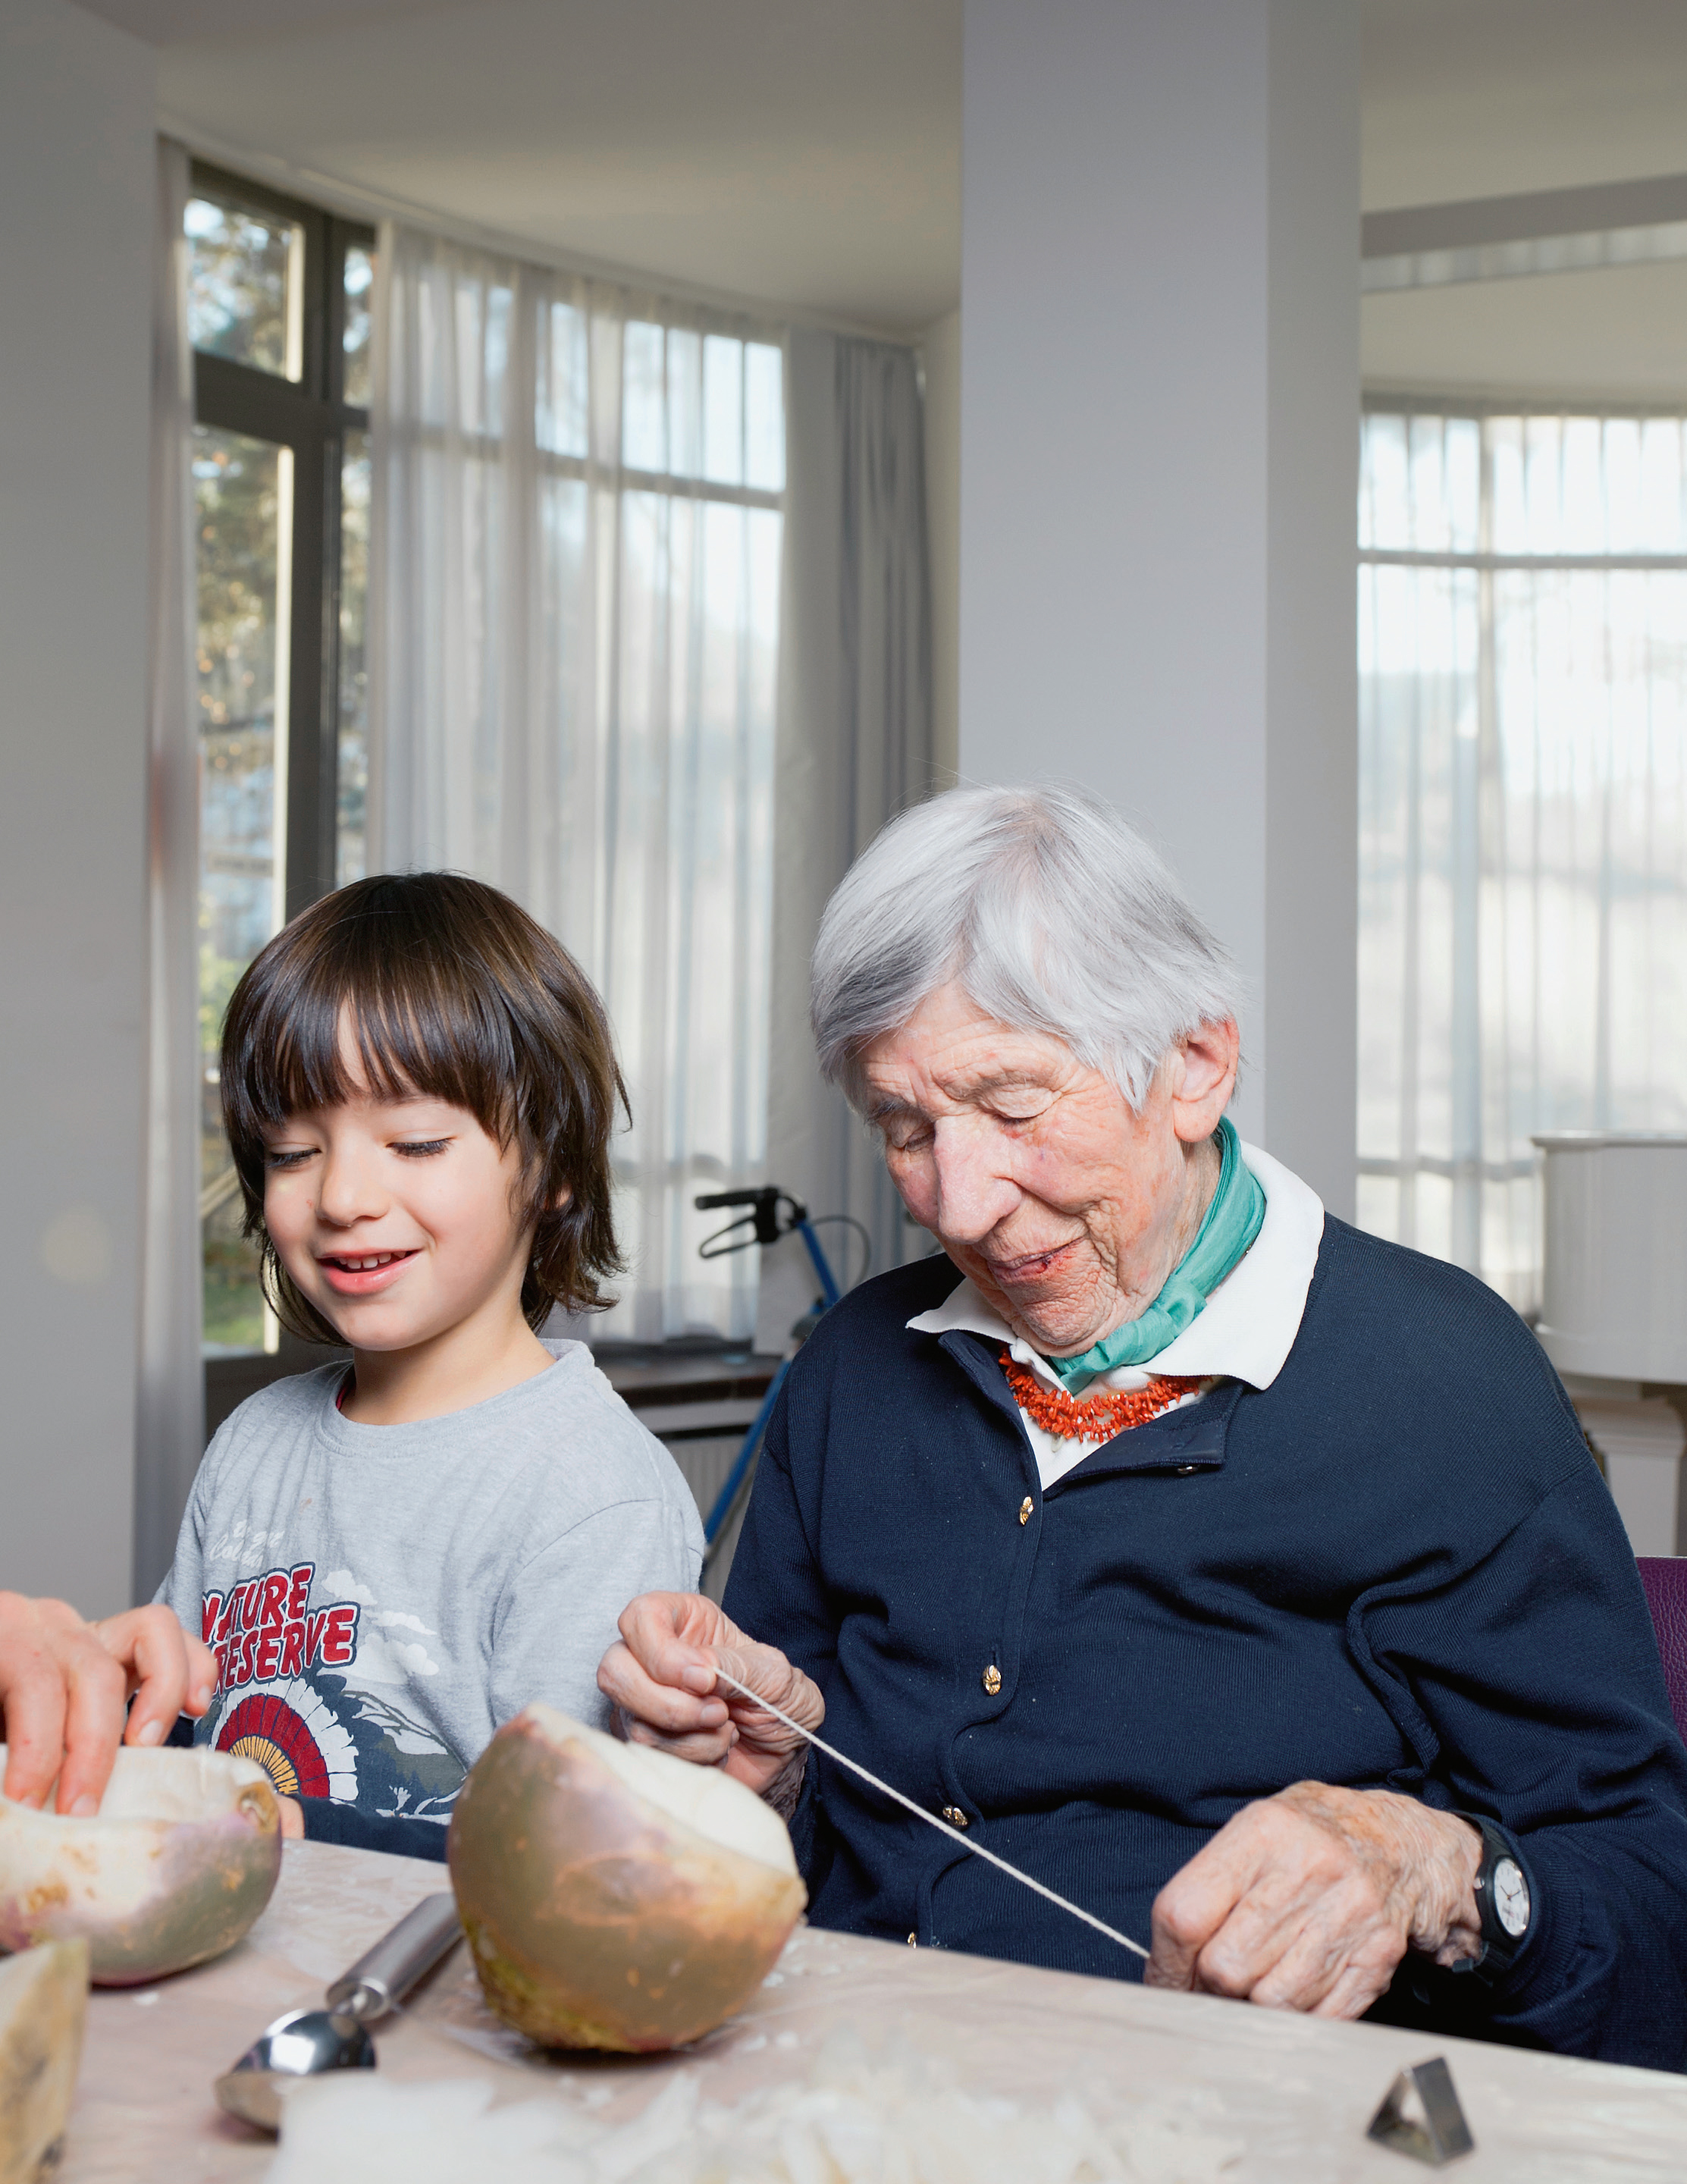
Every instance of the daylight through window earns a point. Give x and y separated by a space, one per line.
1523 649
585 493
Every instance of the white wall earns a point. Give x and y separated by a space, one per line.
941 351
1159 426
1309 1055
77 158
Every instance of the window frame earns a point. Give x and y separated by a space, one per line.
312 417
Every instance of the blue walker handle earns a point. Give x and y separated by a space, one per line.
829 1294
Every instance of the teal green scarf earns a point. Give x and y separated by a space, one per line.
1233 1221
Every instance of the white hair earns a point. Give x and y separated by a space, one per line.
1045 907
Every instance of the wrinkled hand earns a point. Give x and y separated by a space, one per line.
64 1684
1309 1900
662 1679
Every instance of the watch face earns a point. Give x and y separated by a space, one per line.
1510 1897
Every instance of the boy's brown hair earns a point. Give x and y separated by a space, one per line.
452 991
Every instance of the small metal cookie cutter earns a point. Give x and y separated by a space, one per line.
1421 2116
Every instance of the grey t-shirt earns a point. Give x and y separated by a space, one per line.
381 1598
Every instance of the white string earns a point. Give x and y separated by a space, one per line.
932 1820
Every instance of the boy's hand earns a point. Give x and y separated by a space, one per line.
662 1677
64 1684
293 1817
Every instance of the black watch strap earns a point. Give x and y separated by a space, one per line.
1505 1902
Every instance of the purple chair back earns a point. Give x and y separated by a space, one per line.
1665 1580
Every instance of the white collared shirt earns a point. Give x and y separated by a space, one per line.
1245 1332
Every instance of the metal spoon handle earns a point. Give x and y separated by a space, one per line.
378 1981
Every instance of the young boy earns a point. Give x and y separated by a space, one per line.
392 1559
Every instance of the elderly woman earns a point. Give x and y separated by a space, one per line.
1242 1578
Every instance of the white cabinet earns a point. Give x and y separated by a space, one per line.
1614 1311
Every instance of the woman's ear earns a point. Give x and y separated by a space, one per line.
565 1197
1201 1090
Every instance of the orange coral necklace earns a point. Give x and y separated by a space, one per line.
1096 1417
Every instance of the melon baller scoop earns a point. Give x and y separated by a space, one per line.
307 2043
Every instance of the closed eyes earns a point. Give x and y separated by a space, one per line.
406 1148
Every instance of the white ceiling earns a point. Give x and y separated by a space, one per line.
1617 334
1472 99
807 152
803 151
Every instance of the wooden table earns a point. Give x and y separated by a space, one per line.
1297 2093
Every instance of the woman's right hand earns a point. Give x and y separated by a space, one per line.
662 1679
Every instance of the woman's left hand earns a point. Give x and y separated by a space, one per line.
1308 1900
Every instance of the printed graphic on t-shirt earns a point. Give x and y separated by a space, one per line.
312 1674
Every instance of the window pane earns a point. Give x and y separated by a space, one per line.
644 430
1522 924
352 786
246 287
703 406
481 353
764 416
723 410
360 286
564 390
243 502
685 402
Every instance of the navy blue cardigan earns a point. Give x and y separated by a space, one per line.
1397 1566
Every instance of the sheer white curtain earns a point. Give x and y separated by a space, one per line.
1523 811
575 536
855 744
171 1408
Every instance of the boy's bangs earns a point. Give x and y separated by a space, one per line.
415 1034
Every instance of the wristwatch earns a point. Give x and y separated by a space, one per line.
1503 1903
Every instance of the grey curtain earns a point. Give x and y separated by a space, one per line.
854 748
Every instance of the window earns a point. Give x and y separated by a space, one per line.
1523 930
278 313
585 492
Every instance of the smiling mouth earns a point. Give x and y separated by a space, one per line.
1030 1268
356 1273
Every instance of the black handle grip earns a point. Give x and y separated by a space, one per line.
764 1201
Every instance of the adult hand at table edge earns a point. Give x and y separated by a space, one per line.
1307 1901
64 1684
662 1680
